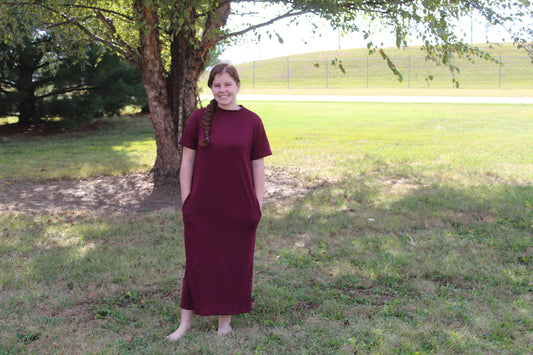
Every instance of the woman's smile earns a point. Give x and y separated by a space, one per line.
225 91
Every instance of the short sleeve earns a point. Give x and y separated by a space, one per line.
260 146
189 138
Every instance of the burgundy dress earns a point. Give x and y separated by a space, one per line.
221 213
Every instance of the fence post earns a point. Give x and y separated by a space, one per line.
326 73
409 74
253 75
500 74
288 75
453 72
367 72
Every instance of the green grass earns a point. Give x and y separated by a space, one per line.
417 239
314 71
119 145
424 140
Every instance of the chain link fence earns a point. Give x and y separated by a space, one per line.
514 72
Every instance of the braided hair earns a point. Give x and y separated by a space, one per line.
210 110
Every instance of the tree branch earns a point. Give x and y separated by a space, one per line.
7 83
86 7
113 32
267 23
216 19
126 51
44 82
99 9
65 22
66 91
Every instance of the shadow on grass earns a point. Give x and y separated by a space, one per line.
434 257
80 280
102 196
368 259
357 216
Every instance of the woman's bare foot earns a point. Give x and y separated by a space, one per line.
177 334
185 325
225 329
224 326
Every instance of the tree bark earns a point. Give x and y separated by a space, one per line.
27 107
166 166
26 86
189 58
171 101
187 64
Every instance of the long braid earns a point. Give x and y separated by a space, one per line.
207 121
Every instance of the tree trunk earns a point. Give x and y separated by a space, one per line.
172 101
27 103
187 65
27 108
167 162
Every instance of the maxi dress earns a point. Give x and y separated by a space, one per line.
221 213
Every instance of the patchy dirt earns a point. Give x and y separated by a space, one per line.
131 194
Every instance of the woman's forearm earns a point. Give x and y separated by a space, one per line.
258 176
186 172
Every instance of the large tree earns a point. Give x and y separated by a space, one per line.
170 40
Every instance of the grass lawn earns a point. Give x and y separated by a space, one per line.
314 71
120 145
418 240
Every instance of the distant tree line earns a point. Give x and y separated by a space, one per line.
40 80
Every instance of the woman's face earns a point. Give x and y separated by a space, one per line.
225 91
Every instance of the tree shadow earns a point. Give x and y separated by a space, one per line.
334 254
374 242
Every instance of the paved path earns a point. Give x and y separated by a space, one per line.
405 99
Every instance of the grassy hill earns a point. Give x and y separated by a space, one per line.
313 71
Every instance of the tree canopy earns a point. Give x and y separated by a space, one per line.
170 40
38 80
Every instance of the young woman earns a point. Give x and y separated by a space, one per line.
222 184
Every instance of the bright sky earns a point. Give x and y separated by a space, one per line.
299 39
